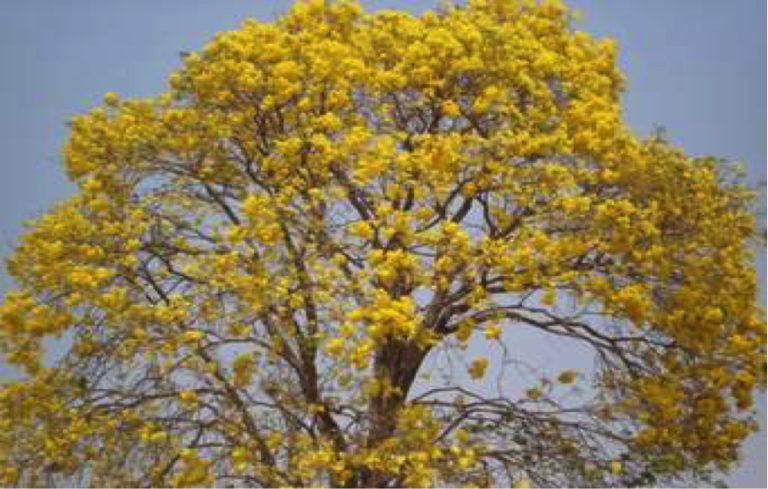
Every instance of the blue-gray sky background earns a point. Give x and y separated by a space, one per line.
695 67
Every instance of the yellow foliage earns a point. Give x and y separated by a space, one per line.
263 266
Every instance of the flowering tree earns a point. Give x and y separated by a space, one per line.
264 266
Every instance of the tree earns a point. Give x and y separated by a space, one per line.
263 268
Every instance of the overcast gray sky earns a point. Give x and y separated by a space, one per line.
695 67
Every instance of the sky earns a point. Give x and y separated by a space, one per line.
695 67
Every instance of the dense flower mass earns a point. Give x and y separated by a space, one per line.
262 264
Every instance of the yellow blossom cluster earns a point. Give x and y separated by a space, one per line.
262 265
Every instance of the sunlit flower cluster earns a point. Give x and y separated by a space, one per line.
260 264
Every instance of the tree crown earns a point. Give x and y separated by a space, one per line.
259 264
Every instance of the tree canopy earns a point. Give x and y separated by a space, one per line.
297 265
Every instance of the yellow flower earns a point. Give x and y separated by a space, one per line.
522 484
362 229
189 397
567 377
477 368
492 332
451 109
192 336
111 98
335 347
